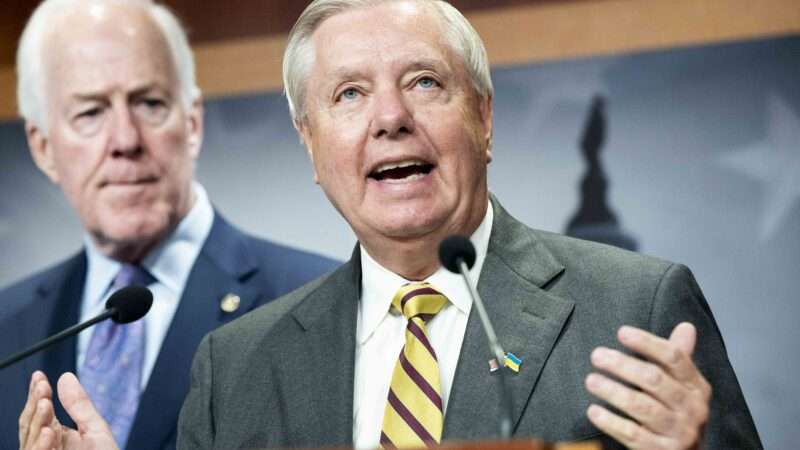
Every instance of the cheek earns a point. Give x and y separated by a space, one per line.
336 170
464 157
337 157
76 165
172 152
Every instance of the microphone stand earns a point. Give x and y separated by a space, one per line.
75 329
499 354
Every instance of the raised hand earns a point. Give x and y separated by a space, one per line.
666 396
39 429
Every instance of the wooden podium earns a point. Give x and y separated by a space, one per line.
520 444
515 444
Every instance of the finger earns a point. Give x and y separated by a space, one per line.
642 374
627 432
42 409
48 440
643 408
29 408
41 419
684 336
78 405
25 415
660 351
57 441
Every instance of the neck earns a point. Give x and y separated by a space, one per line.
412 260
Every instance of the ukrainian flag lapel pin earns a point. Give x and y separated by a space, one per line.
513 362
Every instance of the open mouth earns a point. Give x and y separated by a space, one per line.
402 171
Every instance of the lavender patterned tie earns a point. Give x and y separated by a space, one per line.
112 369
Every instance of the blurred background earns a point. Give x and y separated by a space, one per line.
668 127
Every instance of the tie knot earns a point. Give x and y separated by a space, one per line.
132 275
418 299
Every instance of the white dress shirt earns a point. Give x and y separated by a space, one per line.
380 334
169 263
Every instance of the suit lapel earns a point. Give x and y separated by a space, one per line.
223 267
61 299
527 319
319 407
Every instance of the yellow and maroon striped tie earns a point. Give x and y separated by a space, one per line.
414 415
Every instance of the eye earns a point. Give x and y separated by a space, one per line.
152 110
153 103
348 94
88 114
89 120
427 83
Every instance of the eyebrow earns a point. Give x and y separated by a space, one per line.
346 73
99 95
428 64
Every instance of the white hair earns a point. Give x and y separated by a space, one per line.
31 54
299 55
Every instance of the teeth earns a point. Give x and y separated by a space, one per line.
398 165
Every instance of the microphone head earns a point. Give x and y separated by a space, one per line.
455 248
130 303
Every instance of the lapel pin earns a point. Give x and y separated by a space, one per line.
513 362
493 366
230 303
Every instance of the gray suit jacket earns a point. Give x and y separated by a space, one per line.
282 375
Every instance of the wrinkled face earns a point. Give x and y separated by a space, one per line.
398 137
119 142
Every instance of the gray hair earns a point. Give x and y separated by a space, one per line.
299 55
30 54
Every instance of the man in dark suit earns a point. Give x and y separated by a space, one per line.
114 118
393 100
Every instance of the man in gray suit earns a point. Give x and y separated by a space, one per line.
393 101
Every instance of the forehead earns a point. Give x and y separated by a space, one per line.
386 35
105 47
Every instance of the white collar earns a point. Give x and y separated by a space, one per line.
378 284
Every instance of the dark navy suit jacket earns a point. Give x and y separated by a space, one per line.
229 262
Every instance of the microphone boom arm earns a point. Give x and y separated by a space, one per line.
496 349
75 329
124 306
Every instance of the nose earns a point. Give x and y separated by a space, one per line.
125 134
392 117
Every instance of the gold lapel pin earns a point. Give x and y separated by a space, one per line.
230 303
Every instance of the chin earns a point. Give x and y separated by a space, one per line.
412 227
136 229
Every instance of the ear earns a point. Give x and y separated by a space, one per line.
41 151
485 109
194 124
304 130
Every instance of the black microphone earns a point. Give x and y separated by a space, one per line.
457 254
128 304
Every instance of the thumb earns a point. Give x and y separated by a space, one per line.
79 407
684 335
